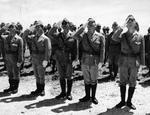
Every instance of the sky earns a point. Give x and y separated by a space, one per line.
105 12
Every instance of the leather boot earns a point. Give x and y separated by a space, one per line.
62 95
15 86
10 86
87 94
69 87
94 100
36 92
123 94
42 90
130 95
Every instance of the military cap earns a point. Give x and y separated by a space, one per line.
2 24
149 30
115 24
98 25
130 18
38 23
65 22
91 22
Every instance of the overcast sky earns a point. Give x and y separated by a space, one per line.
77 11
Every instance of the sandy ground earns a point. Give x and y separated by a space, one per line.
107 94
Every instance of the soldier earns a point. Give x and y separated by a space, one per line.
98 28
40 49
105 34
63 48
132 56
13 49
113 50
147 50
92 44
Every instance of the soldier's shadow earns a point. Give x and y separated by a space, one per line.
44 103
114 111
18 99
73 107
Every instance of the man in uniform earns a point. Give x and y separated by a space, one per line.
113 50
13 49
64 47
147 50
40 49
92 44
98 28
132 56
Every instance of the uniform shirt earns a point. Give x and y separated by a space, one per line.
64 46
136 42
41 47
14 46
147 43
112 47
98 44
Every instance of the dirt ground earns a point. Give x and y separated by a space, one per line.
107 94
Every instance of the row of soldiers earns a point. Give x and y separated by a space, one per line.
65 43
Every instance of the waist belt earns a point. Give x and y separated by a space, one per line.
91 53
129 54
38 52
11 52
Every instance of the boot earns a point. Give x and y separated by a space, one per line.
111 72
42 91
115 71
62 95
36 92
123 94
87 92
15 86
94 100
130 95
69 87
10 86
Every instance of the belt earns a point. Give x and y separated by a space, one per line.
129 54
11 52
91 53
37 52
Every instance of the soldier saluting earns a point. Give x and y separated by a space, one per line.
132 56
13 49
92 48
64 47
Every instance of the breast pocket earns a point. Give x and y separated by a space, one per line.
14 47
136 46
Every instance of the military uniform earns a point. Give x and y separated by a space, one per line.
40 49
147 51
92 53
64 49
1 43
13 48
132 56
113 51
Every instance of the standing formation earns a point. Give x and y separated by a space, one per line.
64 43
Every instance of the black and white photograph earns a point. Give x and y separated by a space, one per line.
74 57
